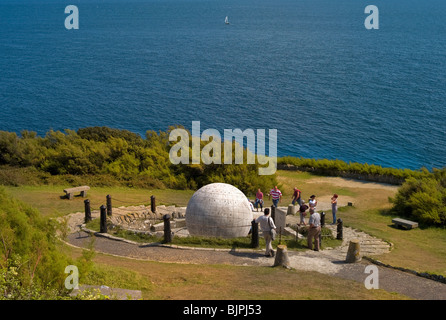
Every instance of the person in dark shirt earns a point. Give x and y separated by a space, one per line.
302 212
296 197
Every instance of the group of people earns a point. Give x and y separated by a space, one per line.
314 222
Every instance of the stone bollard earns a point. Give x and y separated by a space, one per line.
87 211
280 219
167 230
273 213
254 234
103 228
282 257
322 226
339 229
291 210
152 204
353 253
109 205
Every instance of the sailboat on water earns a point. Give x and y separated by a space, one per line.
226 20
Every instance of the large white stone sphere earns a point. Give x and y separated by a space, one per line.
218 210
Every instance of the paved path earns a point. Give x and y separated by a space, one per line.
331 262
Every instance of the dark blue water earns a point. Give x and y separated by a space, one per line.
308 68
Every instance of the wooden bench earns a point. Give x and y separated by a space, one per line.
70 191
407 224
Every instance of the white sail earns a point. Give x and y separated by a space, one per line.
226 20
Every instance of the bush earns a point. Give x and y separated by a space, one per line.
121 155
30 260
32 264
423 200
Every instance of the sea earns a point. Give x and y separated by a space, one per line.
310 69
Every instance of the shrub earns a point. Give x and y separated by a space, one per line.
119 154
30 259
424 199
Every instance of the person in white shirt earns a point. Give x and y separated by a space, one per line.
276 194
314 230
266 224
312 202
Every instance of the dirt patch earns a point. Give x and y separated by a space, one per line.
350 183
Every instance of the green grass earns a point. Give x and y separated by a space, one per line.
421 249
47 199
172 281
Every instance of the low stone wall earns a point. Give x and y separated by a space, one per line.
141 218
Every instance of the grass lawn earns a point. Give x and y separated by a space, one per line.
172 281
47 199
421 249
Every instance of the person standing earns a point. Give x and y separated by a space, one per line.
312 202
302 212
314 230
266 224
296 197
334 207
259 200
276 195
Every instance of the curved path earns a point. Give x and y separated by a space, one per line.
326 261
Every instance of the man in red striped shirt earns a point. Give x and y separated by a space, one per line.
276 195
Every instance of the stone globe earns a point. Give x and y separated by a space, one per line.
218 210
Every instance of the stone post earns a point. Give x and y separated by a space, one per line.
291 210
103 228
87 211
254 234
109 205
280 219
322 214
282 256
152 204
353 253
339 230
273 213
167 230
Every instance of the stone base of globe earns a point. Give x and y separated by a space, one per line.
218 210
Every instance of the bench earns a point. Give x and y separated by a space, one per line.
70 191
405 223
